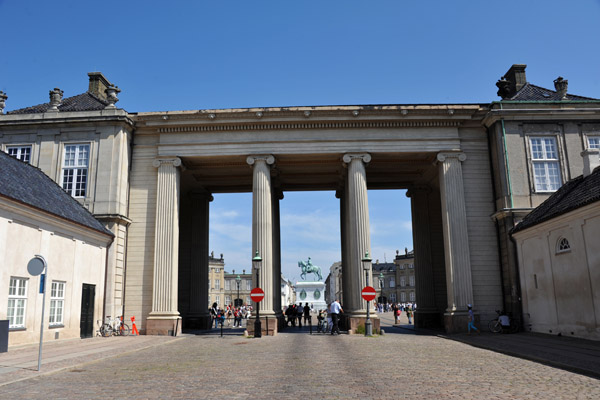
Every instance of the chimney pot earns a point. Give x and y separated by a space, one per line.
561 86
3 98
56 97
591 160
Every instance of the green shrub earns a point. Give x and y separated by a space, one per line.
360 329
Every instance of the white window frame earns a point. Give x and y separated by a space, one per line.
76 169
217 284
412 296
543 182
20 153
563 245
403 296
392 282
411 266
17 296
227 284
248 300
402 281
57 303
228 300
393 297
248 284
593 142
411 280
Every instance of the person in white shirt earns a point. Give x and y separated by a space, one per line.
336 308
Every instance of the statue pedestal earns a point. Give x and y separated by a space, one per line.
311 293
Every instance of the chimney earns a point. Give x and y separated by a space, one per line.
561 85
98 85
512 81
3 98
591 160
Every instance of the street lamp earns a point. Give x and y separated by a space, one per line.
237 282
366 260
256 262
381 287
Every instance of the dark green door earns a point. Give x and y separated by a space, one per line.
86 324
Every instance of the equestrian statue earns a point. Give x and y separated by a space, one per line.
307 268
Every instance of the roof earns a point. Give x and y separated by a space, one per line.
383 267
82 102
531 92
27 184
572 195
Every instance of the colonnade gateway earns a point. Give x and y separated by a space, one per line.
438 152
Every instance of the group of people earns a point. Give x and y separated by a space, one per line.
298 313
397 309
220 315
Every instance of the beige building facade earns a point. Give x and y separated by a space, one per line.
151 176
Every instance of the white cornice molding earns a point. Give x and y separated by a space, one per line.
543 114
34 217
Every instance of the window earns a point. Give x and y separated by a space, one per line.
402 281
393 297
381 283
227 299
403 297
209 286
227 284
412 296
22 153
248 284
594 142
544 156
403 266
411 266
75 169
217 284
392 282
248 300
17 301
217 270
563 246
411 280
57 303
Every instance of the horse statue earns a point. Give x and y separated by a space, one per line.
307 268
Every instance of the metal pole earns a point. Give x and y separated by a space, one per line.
42 324
368 325
257 326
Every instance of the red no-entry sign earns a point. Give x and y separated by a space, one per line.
257 294
368 293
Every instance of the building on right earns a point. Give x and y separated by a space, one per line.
559 258
536 137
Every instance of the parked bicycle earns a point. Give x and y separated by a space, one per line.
114 326
503 322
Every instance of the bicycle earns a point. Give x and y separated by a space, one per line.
114 326
495 325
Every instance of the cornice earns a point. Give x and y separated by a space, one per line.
47 119
308 125
546 114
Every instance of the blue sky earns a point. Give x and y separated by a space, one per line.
183 55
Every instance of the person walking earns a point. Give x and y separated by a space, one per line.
472 321
336 309
306 313
213 313
409 315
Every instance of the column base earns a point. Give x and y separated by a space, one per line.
351 323
458 321
163 326
269 325
428 319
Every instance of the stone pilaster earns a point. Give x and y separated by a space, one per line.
164 317
341 194
358 241
456 239
427 315
277 196
262 227
198 317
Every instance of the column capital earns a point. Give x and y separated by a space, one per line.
443 156
267 158
348 157
417 189
175 161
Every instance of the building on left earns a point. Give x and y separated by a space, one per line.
37 217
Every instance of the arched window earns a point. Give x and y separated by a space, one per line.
562 245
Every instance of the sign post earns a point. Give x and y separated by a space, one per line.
35 267
368 293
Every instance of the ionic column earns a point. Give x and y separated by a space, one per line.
262 227
425 290
456 238
198 283
358 241
341 194
166 247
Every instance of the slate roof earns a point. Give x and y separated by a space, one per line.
82 102
572 195
531 92
383 267
27 184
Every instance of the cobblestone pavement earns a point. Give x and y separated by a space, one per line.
298 365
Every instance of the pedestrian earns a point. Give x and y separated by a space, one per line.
306 313
409 315
299 312
336 309
213 314
396 313
472 321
